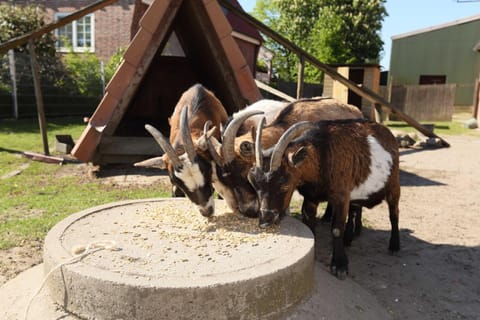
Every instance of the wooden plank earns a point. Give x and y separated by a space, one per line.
358 89
42 158
143 146
274 91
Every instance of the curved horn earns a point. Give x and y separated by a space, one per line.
285 139
258 145
215 156
186 135
228 143
164 144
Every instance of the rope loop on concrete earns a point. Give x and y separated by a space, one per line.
79 252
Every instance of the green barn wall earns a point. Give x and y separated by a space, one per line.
444 51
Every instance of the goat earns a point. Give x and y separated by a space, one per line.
341 162
235 155
189 166
186 157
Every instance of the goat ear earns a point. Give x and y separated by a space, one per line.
157 162
297 157
247 149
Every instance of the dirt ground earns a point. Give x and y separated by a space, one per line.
436 275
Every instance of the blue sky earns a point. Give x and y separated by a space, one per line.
410 15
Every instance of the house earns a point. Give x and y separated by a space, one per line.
443 54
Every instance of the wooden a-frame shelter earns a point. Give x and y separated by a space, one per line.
178 43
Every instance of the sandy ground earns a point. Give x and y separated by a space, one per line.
436 275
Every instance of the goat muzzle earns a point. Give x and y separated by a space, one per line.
268 218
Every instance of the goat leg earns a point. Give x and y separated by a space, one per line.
339 263
309 213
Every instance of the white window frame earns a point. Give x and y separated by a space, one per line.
75 47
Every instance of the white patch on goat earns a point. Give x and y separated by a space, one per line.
223 190
380 168
190 174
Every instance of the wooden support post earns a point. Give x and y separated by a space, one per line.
300 76
38 96
13 77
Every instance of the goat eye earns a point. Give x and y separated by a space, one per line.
285 188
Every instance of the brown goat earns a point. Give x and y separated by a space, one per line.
236 155
341 162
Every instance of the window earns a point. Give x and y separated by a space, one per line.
432 79
77 35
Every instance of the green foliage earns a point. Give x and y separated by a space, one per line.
16 21
113 64
335 31
348 31
84 68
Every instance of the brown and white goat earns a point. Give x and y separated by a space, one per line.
189 167
235 155
336 161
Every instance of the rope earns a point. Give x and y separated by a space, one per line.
80 252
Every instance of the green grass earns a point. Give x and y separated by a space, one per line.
454 127
33 201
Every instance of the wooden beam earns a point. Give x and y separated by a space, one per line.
21 40
274 91
300 76
358 89
143 146
38 96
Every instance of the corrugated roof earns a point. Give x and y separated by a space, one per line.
437 27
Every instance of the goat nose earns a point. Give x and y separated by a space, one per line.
207 211
268 217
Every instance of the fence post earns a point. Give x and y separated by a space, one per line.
300 76
13 77
38 96
102 75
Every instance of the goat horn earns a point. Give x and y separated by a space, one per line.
228 143
164 144
186 135
215 156
258 145
285 139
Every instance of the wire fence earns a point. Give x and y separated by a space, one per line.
64 92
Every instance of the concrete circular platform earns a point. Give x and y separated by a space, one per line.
172 263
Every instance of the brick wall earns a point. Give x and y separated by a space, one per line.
112 24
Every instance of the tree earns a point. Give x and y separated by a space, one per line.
18 20
335 31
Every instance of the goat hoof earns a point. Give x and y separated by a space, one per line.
394 253
340 273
